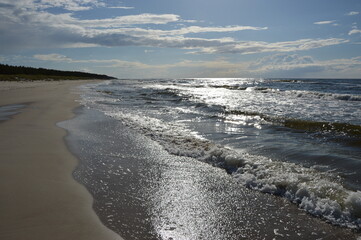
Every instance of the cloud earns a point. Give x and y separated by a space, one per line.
52 57
122 7
354 31
189 21
6 5
352 13
27 24
24 28
141 32
197 29
285 65
324 22
71 5
282 60
144 18
277 65
262 47
186 68
302 66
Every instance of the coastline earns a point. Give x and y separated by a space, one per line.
142 190
39 198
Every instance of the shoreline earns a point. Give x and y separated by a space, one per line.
141 191
39 198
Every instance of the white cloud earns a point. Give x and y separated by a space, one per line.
122 7
303 66
144 18
80 45
277 65
71 5
215 68
197 29
354 31
189 21
52 57
262 47
283 59
38 28
324 22
137 32
108 62
352 13
24 24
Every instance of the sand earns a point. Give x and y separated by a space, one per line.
39 199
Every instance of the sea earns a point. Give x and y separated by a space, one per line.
222 158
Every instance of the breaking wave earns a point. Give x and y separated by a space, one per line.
326 96
318 190
318 193
297 93
306 125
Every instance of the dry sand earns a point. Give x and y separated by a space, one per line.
39 199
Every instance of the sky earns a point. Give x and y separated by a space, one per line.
185 38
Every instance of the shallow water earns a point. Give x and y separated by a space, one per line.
7 111
294 138
141 191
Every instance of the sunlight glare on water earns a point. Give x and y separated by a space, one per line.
267 134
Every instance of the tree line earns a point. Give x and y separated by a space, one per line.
21 70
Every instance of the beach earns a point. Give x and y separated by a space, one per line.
180 120
39 199
162 163
93 162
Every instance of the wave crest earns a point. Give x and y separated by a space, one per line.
319 193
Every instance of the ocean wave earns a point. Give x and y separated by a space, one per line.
229 87
287 81
318 193
328 96
246 88
305 125
296 93
262 89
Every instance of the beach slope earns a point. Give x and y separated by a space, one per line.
39 199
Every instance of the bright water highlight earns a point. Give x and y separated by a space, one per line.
296 138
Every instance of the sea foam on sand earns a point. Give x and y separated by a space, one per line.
319 193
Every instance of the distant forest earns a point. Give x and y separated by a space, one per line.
8 72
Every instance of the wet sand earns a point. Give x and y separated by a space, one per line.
39 199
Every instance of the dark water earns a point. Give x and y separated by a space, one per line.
7 111
294 138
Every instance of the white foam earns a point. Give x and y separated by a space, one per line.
353 202
318 192
328 96
315 192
